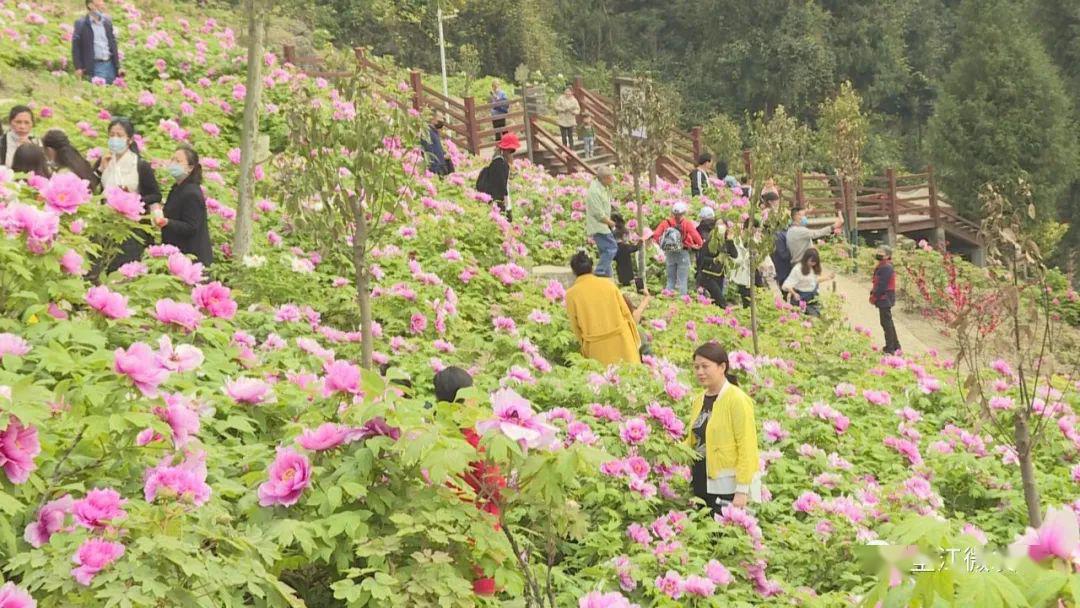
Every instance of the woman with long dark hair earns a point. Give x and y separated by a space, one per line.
801 284
183 222
30 159
64 156
723 432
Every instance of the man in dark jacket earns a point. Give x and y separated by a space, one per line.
93 45
883 295
433 148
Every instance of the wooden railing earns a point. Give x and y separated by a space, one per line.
543 139
908 202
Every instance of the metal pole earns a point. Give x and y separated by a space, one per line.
442 58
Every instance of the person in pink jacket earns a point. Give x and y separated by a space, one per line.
677 236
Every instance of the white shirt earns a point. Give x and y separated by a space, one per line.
799 281
122 172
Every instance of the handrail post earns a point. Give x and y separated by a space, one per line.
695 142
358 52
800 195
472 136
748 167
935 209
418 89
894 218
289 51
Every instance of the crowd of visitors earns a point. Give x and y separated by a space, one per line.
181 221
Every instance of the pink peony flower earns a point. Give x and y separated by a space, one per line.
326 437
109 303
670 584
72 263
341 376
514 417
418 323
18 447
877 397
249 390
634 431
698 585
13 345
183 268
133 269
140 363
171 312
289 475
93 556
99 508
1057 537
215 300
182 358
127 204
807 502
65 192
717 573
185 482
13 597
598 599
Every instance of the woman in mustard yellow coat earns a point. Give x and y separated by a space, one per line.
723 432
599 316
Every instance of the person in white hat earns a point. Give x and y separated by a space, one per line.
676 236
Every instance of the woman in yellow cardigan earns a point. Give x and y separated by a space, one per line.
723 431
599 316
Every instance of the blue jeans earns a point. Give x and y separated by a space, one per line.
608 248
590 141
105 71
678 270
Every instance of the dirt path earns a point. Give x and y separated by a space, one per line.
917 335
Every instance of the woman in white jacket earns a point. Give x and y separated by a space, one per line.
801 285
567 109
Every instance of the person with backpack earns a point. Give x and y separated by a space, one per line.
676 236
710 270
598 222
883 295
699 177
494 179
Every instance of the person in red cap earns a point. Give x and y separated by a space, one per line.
494 179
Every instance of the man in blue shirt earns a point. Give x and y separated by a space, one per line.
93 45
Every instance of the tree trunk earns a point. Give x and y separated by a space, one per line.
256 15
363 284
1022 439
752 252
640 226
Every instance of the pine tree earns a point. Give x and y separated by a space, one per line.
1003 114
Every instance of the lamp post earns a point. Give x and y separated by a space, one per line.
442 57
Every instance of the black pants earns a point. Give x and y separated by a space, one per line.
892 343
744 296
499 124
624 263
714 286
567 134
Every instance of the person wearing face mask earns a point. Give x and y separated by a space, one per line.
93 45
121 167
800 237
183 221
20 125
723 432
